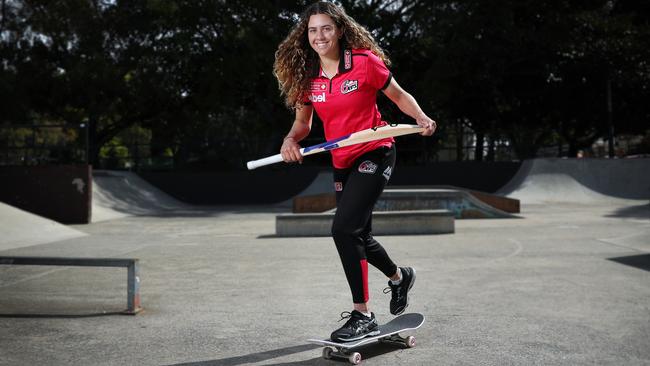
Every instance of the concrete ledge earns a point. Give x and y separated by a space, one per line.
419 222
461 203
314 203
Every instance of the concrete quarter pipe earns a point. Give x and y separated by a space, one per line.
580 180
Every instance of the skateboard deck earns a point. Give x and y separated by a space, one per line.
388 333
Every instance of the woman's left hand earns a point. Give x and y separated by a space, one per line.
428 124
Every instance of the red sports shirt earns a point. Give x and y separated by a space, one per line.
348 102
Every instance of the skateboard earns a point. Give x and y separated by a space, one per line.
388 333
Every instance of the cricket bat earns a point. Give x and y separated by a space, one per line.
359 137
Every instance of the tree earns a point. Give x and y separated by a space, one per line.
198 74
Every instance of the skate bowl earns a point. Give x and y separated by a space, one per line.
580 181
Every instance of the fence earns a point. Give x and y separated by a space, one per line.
27 145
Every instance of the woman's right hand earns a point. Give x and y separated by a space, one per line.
290 151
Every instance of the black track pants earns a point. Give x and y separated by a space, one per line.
357 191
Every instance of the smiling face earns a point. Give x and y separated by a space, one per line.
324 35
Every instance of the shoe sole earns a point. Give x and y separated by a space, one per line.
371 334
407 294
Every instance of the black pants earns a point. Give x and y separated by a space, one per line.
357 190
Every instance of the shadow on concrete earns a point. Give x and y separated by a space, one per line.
367 352
268 236
635 212
257 357
641 261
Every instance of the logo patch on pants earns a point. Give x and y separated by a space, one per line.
387 173
338 186
368 167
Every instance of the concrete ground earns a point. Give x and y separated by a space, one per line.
565 284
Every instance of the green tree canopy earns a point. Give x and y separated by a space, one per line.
198 73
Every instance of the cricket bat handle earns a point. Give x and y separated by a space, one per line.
267 161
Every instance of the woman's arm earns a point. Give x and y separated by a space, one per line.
410 107
301 127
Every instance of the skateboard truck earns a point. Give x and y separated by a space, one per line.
354 358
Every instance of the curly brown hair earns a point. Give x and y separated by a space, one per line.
295 57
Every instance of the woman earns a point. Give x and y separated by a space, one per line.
332 65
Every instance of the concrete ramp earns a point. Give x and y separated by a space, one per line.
323 187
580 180
323 183
118 194
20 228
115 195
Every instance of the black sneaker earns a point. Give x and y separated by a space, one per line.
357 327
400 299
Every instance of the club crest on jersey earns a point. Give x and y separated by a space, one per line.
368 167
338 186
349 86
317 97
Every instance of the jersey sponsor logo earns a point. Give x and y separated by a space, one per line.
318 86
317 98
338 186
347 59
368 167
349 86
387 173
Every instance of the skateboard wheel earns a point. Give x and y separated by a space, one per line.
410 342
355 358
327 353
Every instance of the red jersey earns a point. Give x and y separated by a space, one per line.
348 102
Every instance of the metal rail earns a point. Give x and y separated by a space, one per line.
133 276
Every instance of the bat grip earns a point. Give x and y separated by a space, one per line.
265 161
269 160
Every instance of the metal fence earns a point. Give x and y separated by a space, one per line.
25 145
43 144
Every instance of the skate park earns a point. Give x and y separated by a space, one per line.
169 175
564 282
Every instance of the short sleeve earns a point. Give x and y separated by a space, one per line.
305 99
378 74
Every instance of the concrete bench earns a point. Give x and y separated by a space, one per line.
133 279
419 222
